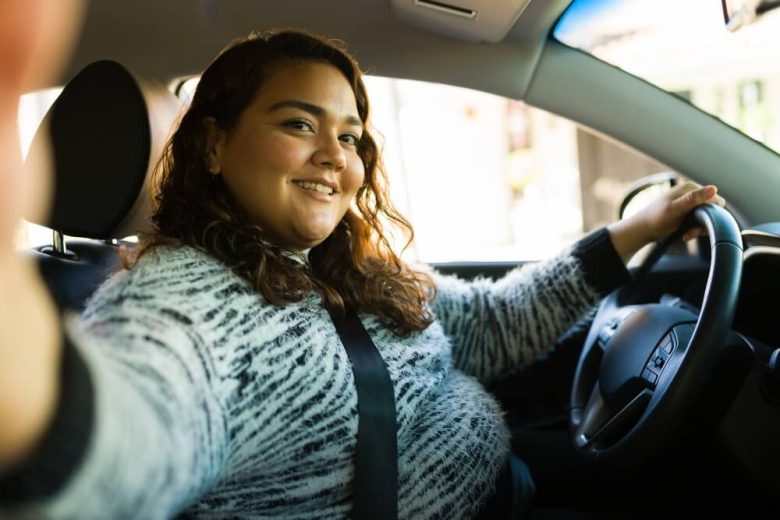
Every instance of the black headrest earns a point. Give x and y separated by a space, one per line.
106 131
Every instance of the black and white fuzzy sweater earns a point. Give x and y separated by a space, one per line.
185 391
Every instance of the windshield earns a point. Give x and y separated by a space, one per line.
685 48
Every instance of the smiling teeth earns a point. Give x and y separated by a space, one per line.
315 186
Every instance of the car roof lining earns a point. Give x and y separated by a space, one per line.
166 39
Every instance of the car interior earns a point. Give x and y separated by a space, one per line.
107 129
600 437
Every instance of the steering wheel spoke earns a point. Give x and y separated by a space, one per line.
600 424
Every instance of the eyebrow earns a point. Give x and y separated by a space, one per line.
312 109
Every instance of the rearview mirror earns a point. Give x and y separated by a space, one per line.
738 13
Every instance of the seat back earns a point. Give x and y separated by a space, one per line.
106 132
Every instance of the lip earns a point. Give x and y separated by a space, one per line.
316 195
330 184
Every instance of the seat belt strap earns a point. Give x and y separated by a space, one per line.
376 462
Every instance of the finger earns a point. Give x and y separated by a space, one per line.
709 195
681 189
693 233
720 201
706 193
695 197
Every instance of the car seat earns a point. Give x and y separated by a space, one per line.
107 130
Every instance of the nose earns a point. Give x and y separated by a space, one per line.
330 153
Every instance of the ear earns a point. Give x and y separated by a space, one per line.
215 144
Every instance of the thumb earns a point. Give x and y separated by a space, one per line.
690 200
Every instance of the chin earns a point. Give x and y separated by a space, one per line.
309 240
306 243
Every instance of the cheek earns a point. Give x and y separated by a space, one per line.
355 175
282 154
262 160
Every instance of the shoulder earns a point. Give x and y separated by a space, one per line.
171 276
189 287
181 262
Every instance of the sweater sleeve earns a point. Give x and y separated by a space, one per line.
157 433
63 445
497 325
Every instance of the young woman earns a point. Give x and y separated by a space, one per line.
215 381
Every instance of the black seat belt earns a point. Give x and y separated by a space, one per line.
376 463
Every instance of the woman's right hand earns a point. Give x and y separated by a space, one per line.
35 36
29 328
661 217
29 356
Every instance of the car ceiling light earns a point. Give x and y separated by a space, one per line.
446 8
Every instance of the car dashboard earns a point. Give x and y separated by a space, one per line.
750 372
756 313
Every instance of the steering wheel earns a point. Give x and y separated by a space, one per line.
644 366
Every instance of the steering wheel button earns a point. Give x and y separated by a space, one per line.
649 376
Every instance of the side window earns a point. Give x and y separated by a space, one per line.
32 109
484 178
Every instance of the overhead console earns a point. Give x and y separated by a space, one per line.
470 20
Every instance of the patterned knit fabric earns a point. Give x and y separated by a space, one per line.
211 403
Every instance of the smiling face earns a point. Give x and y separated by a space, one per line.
291 161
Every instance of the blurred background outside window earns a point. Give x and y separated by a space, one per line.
685 48
481 177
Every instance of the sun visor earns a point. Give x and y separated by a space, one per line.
470 20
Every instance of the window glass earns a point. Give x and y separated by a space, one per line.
185 89
481 178
484 178
685 48
32 109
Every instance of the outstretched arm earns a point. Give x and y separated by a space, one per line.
140 428
35 35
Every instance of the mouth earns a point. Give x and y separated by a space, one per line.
315 186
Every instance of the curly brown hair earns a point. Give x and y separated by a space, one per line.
355 265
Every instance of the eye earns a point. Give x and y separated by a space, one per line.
350 139
299 124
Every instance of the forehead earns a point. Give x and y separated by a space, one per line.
313 82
